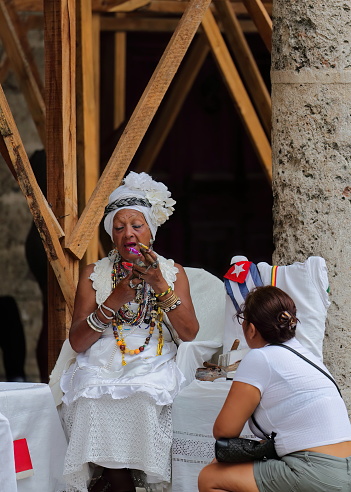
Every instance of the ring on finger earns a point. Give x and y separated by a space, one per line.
132 286
154 264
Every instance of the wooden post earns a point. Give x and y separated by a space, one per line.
60 90
87 123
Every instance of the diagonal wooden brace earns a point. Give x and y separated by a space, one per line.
137 126
12 146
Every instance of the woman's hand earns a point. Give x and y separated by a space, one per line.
151 272
125 291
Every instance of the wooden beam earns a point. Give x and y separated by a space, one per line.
87 129
139 22
120 64
246 62
170 6
14 38
173 103
138 124
238 92
42 215
60 90
261 18
129 6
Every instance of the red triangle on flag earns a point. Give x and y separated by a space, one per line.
238 272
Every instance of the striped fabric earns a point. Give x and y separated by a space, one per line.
238 291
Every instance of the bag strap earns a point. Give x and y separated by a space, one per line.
310 362
272 436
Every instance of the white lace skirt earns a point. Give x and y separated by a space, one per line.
129 433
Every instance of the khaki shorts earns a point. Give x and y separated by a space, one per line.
304 472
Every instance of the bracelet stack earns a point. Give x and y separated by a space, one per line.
95 323
102 306
163 293
170 303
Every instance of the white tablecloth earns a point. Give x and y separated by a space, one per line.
31 413
194 411
7 467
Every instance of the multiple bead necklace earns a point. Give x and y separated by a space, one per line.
146 300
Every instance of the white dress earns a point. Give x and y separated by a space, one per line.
120 416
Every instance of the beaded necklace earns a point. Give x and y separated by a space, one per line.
146 299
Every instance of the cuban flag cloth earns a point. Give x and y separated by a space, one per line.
241 277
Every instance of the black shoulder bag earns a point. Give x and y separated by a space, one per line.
240 450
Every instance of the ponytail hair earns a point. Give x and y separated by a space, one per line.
273 313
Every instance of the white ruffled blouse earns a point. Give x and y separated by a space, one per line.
98 371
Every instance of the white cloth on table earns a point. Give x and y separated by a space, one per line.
32 415
110 408
208 296
7 468
194 411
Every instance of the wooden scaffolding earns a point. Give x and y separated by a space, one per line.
66 110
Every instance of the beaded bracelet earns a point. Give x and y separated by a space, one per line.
168 302
176 304
164 293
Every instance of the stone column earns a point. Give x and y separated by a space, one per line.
311 100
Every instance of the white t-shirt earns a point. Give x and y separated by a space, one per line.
298 402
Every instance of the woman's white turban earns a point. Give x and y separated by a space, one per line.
140 192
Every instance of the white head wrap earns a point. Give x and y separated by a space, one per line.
140 192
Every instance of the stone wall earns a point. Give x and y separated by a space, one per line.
17 280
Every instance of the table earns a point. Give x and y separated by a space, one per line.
194 411
31 413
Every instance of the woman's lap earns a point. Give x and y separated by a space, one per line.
304 472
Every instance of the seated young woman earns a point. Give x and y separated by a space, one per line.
288 396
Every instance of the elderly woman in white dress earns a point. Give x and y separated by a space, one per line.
130 309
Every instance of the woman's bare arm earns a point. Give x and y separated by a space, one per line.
240 404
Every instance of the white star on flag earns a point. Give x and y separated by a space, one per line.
238 269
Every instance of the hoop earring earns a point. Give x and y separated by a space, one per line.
114 255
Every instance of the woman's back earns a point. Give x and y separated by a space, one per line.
298 402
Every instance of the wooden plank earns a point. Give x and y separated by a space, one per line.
120 76
156 5
238 92
246 62
129 6
60 92
263 22
18 50
87 129
42 216
138 124
138 23
132 23
173 103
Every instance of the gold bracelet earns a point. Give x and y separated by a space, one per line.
163 293
168 302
